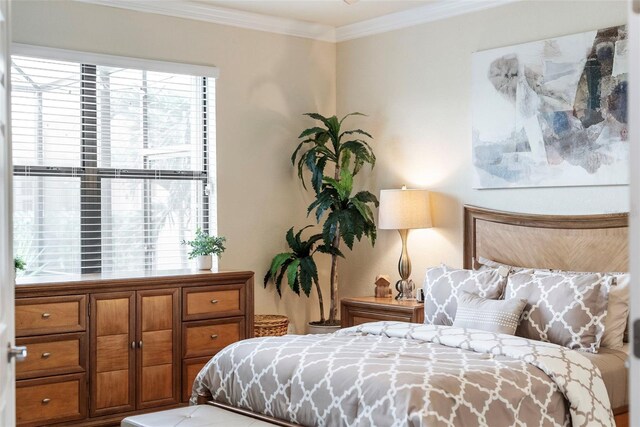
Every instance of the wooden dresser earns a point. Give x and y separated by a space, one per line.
100 349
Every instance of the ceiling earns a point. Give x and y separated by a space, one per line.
326 20
334 13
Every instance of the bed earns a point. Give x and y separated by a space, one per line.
390 373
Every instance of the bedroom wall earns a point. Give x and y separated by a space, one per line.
415 84
266 82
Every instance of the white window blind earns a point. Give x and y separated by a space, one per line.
112 165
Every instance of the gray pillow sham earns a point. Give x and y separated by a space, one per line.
562 308
483 264
615 323
499 316
444 285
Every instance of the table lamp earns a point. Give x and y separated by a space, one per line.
404 210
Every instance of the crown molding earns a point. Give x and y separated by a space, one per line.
441 9
224 16
418 15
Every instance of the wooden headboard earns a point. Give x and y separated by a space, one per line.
563 242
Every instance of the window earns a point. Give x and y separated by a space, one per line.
112 165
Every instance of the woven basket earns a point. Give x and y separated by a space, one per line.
270 325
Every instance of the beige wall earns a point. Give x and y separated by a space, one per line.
266 82
415 84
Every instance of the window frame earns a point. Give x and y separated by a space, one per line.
90 173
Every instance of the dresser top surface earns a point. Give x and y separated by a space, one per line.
121 281
67 278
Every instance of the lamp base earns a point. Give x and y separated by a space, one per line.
406 289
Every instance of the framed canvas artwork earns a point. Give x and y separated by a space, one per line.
552 112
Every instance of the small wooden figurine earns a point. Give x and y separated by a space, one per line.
382 286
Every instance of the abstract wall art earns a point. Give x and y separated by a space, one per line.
552 112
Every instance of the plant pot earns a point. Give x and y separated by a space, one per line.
204 262
321 329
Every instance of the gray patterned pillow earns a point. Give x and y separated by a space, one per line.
616 322
499 316
564 309
443 286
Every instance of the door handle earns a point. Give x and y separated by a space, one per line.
18 352
140 344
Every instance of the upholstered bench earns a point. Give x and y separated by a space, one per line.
193 416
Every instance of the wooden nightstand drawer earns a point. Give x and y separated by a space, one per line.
360 318
356 311
39 316
50 400
213 301
52 355
208 337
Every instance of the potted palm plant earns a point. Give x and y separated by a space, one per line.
203 247
342 215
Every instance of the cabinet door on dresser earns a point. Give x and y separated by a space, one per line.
158 359
112 353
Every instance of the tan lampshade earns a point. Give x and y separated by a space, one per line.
404 210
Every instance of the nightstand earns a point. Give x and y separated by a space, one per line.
355 311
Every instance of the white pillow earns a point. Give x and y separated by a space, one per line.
617 313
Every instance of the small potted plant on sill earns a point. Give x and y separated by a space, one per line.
333 156
19 264
203 247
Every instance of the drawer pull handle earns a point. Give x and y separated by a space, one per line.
214 301
133 345
214 336
46 400
46 355
46 315
140 344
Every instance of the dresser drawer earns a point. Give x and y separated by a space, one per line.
206 338
212 301
50 400
52 355
190 369
39 316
